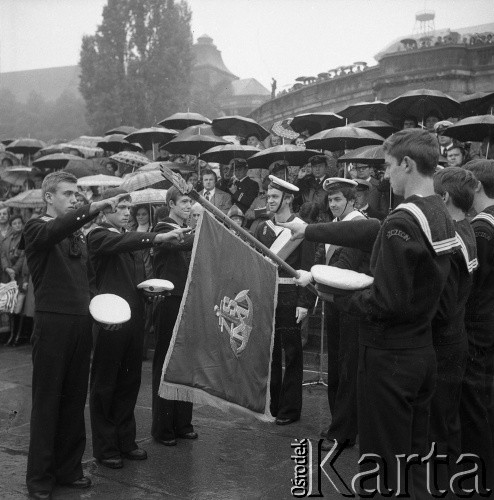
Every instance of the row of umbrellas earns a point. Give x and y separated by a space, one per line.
418 103
338 138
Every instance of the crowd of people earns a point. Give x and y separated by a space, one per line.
410 360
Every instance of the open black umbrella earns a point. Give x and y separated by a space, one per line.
203 129
477 104
54 161
150 137
117 143
421 102
26 147
179 121
315 122
378 126
293 155
368 155
122 129
473 128
193 145
366 111
83 168
343 138
224 154
6 142
239 125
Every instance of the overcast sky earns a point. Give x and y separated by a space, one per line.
258 38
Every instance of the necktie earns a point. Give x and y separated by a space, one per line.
207 195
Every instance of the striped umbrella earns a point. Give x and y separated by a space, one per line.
131 159
141 180
27 199
149 195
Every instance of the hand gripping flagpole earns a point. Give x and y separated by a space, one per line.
179 182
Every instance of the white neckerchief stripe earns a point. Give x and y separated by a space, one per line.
419 215
438 246
471 264
483 216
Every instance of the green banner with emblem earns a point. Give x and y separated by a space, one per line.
221 347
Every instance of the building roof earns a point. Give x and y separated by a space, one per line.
50 83
207 55
248 86
396 45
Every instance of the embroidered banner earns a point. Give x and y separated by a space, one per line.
220 352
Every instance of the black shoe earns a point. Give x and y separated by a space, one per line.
166 442
81 483
40 495
189 435
112 463
137 454
329 443
285 421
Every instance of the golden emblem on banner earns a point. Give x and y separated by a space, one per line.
235 316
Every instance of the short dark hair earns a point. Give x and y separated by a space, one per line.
51 181
420 145
411 118
484 172
173 194
463 151
347 191
208 171
317 160
160 214
459 183
15 217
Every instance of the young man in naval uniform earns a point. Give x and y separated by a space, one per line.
477 405
341 327
58 262
456 186
292 308
171 419
117 358
410 262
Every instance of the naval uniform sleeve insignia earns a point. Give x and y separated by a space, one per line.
399 233
484 235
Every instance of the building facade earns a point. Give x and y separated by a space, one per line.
457 63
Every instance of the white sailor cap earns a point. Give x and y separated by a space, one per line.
334 280
156 285
109 309
280 184
332 182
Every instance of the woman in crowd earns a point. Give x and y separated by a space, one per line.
13 269
142 217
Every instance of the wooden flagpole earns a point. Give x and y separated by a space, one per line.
179 182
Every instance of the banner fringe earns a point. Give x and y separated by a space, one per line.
189 394
178 392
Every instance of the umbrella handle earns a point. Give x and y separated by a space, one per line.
179 182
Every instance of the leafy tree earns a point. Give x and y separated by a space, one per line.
136 68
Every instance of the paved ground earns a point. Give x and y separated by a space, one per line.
234 458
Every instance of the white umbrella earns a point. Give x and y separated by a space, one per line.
16 175
99 180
